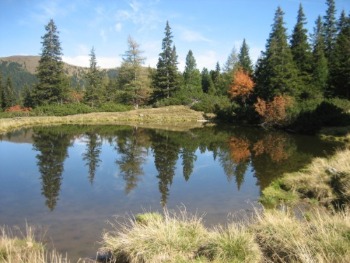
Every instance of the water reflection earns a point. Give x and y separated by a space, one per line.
52 145
239 151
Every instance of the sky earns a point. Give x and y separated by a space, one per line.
210 28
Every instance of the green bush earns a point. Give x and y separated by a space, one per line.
62 109
114 107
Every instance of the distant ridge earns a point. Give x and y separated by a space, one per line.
30 63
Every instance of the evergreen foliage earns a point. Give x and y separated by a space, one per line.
330 28
165 80
94 95
8 96
192 76
207 82
340 70
301 50
276 73
53 84
319 60
244 60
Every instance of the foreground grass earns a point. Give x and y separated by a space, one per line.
180 116
25 249
273 236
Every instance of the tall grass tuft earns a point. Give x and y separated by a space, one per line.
233 243
167 238
319 237
179 237
25 249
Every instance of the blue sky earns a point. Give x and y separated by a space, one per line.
210 28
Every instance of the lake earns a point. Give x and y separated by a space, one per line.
72 180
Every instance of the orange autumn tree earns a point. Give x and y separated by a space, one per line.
242 86
274 112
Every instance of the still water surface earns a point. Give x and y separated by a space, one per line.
73 179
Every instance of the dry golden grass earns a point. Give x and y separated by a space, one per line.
25 249
319 237
171 117
326 181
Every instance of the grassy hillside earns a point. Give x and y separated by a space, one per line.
22 71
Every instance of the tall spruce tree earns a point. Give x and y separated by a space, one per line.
320 70
207 82
340 71
94 94
192 76
276 73
165 80
330 29
53 85
244 60
301 50
8 96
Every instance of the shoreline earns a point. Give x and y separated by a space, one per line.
169 118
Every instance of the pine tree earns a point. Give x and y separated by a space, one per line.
94 94
27 97
330 29
276 73
53 85
207 82
319 60
8 96
165 80
301 50
340 71
216 76
342 22
244 60
192 76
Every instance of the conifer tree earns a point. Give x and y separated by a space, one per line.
276 73
301 49
207 82
340 71
216 76
133 79
330 29
94 94
342 22
8 94
192 76
319 60
53 85
244 60
165 80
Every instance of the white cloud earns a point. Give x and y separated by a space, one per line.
84 61
207 59
192 36
118 27
81 61
141 14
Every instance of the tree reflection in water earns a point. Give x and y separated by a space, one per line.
237 150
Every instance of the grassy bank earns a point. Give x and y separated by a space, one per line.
178 116
273 236
23 248
324 182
